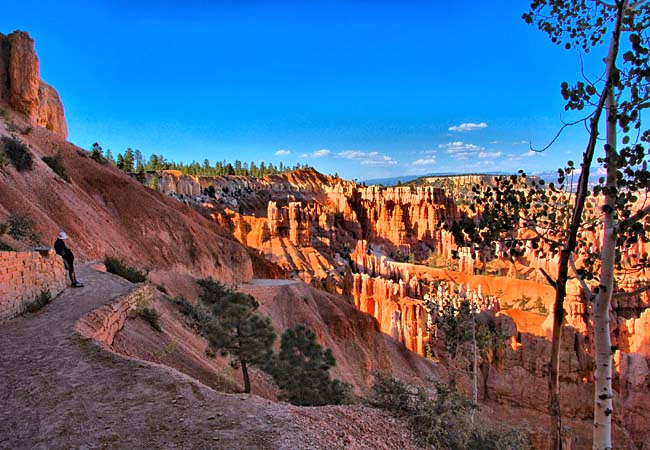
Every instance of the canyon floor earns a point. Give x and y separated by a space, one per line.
60 390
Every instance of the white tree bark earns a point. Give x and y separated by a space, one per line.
603 395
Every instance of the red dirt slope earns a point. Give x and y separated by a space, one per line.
105 212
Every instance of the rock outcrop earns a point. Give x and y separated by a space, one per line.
22 88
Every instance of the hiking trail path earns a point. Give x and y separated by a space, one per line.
59 389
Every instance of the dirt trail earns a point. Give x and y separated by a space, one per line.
272 282
59 390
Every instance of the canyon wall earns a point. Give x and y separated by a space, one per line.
22 88
25 275
405 305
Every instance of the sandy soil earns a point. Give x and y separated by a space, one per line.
59 390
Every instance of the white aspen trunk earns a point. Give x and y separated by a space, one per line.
603 395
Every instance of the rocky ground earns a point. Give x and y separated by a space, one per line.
60 390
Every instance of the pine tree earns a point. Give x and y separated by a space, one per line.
129 159
139 161
120 161
97 153
109 156
230 325
301 370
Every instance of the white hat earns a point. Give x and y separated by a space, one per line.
62 235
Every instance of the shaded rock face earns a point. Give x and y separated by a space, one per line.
22 88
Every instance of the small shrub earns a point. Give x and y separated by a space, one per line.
539 305
441 421
119 267
21 228
3 159
150 315
162 288
185 307
56 164
144 310
27 130
213 291
17 153
165 351
40 301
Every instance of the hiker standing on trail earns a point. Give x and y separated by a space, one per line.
68 257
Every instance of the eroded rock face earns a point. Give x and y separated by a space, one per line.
22 88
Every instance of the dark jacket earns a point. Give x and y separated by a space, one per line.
61 249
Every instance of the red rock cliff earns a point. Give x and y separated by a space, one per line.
21 86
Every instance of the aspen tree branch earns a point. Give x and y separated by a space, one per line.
638 291
549 278
557 135
580 279
640 214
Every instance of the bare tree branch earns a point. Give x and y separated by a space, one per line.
582 282
567 124
582 70
638 291
549 278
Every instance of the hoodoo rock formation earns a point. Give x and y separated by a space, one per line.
354 240
337 236
21 85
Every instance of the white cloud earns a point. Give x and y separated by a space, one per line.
424 161
495 142
367 158
316 154
483 155
461 150
529 153
459 146
469 126
522 142
282 152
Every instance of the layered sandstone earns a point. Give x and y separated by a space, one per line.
104 323
398 218
26 275
22 88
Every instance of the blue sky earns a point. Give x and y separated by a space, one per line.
365 89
